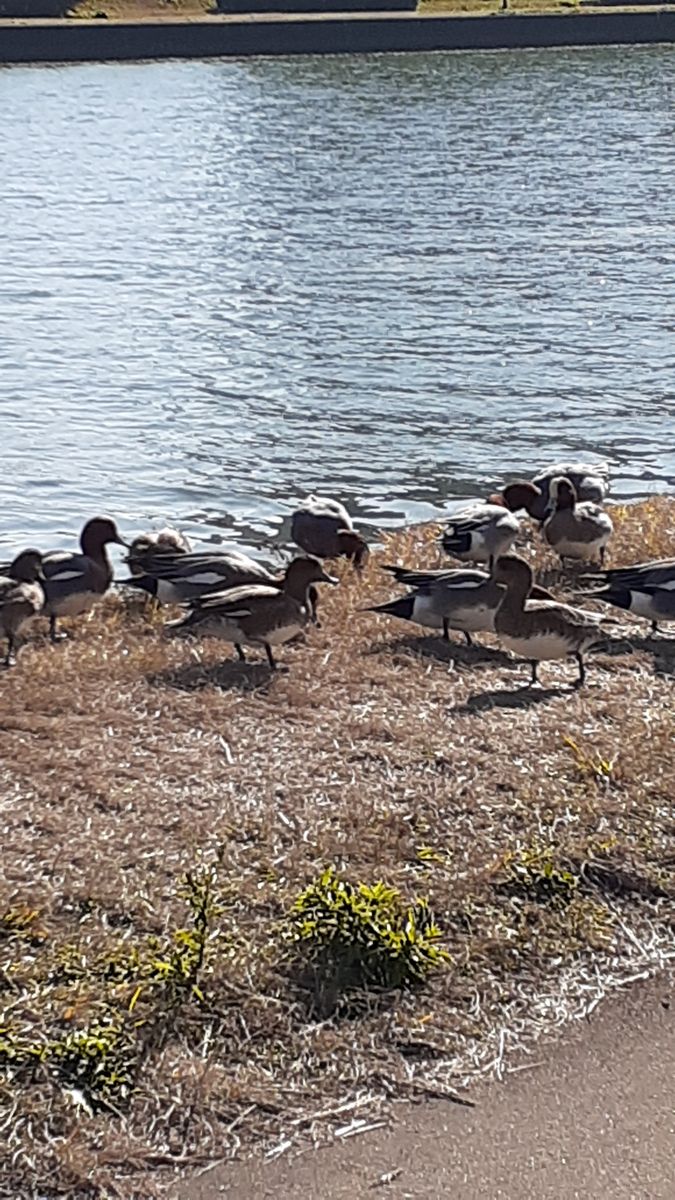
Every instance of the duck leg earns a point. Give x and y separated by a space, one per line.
655 628
54 636
240 652
446 629
469 639
10 657
270 656
582 670
534 678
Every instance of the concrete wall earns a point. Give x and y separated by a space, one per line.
73 41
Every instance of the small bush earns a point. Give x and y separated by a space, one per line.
533 873
361 936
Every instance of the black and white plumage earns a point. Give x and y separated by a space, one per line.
646 589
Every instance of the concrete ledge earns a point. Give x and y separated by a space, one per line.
349 33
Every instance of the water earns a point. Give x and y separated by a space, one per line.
396 279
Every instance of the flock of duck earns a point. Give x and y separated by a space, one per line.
230 596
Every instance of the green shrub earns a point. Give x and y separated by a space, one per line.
350 937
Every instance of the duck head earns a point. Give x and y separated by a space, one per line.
97 533
562 494
354 547
513 573
301 573
518 495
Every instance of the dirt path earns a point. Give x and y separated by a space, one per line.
596 1120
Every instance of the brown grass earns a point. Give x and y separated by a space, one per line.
129 758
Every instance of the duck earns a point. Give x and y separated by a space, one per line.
541 630
589 480
184 577
21 597
646 589
161 541
257 614
578 530
74 582
486 530
323 528
464 600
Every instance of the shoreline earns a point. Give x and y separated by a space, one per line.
270 34
535 822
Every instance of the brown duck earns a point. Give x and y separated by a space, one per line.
21 597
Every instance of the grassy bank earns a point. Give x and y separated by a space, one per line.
190 10
165 807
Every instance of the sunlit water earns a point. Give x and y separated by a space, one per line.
396 279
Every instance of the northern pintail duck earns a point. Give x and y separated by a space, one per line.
579 530
647 589
73 582
21 597
257 614
182 578
589 480
323 527
540 630
464 600
161 541
482 532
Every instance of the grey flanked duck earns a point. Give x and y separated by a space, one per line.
149 545
21 597
257 614
323 528
482 532
576 529
541 630
589 480
463 600
646 589
74 582
183 578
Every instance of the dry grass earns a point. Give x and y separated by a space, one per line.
190 10
128 758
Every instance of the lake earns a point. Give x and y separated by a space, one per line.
395 279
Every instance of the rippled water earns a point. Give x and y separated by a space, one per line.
396 279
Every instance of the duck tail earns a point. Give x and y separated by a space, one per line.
619 597
402 607
146 583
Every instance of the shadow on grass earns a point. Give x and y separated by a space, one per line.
229 676
447 652
522 697
660 648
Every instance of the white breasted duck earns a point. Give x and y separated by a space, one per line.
482 532
646 589
465 600
541 630
161 541
21 597
578 530
257 614
323 528
73 582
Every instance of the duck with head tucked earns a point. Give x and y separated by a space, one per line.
21 597
257 614
484 531
323 528
646 589
74 582
541 630
578 530
161 542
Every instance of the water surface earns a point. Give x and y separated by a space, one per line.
396 279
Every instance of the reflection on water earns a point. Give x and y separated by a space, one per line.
397 279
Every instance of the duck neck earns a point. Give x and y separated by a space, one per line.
297 588
97 551
513 600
